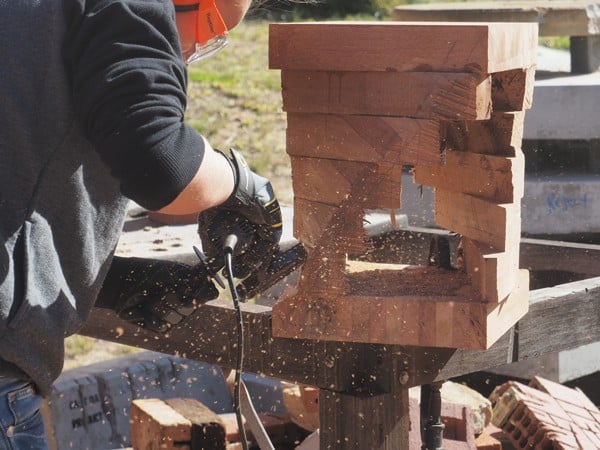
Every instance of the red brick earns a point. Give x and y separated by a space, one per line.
486 442
585 424
594 437
575 410
596 415
276 426
581 437
564 393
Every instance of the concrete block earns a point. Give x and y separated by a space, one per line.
565 107
560 367
115 389
561 204
266 393
89 407
585 53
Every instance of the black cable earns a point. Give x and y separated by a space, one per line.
228 246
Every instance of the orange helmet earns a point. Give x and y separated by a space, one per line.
201 28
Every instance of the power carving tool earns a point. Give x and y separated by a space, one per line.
282 263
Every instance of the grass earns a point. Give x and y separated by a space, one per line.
235 101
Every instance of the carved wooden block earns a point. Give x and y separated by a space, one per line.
364 101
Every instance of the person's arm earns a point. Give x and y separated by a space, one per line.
203 192
129 91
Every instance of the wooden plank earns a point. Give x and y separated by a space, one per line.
501 135
389 304
503 315
512 90
494 274
559 318
332 182
422 95
154 425
434 308
400 46
556 256
555 18
400 140
326 181
377 422
208 430
478 219
496 178
315 217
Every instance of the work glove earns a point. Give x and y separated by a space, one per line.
155 294
252 213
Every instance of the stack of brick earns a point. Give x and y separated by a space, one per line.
364 101
546 415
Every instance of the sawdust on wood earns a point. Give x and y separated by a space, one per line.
388 280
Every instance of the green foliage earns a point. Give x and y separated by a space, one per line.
557 42
343 8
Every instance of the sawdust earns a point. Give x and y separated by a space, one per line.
387 280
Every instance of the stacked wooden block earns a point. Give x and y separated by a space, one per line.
364 101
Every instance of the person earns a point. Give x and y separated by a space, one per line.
94 95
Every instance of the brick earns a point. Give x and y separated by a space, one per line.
486 442
581 437
546 419
279 427
576 411
564 393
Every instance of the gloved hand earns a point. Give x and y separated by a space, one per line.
155 294
252 213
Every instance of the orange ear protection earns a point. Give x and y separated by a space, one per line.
210 29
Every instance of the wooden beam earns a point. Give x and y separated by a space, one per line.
378 422
422 95
559 318
500 135
400 140
400 47
555 18
155 425
402 305
480 220
512 90
333 181
495 178
494 274
310 226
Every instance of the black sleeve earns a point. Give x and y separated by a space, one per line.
129 91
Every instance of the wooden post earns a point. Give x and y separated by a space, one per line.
376 422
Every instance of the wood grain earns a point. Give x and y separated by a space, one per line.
512 90
399 140
475 218
402 46
423 95
501 135
495 178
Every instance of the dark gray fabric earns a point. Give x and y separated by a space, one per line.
71 143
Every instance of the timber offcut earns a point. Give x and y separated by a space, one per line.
367 103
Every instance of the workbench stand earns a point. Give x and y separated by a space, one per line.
364 387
